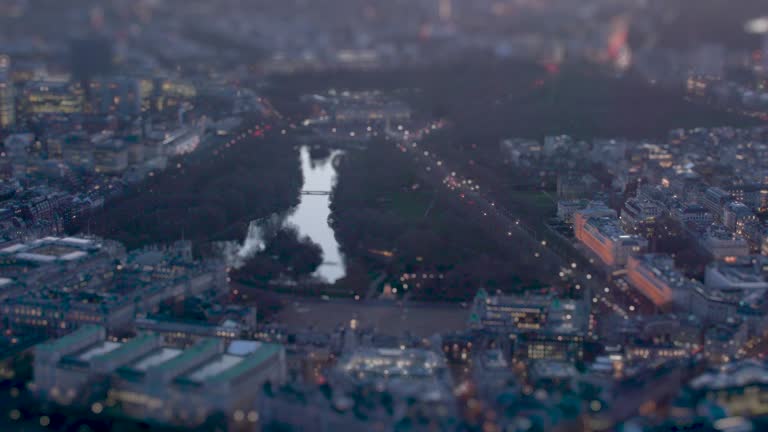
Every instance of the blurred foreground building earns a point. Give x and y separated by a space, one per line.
54 285
537 327
7 94
598 228
370 389
211 383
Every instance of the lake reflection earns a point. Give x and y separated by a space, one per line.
311 215
309 218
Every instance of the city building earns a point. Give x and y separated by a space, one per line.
17 151
520 150
116 95
7 94
575 186
181 141
368 389
563 338
502 313
724 340
655 351
185 332
552 374
67 263
75 148
147 380
738 275
655 276
408 372
650 337
357 108
169 94
715 199
620 390
304 407
609 151
695 214
52 97
753 195
110 155
492 375
330 408
596 334
414 374
599 230
639 216
687 185
738 388
540 327
737 216
457 347
71 282
660 195
57 311
711 305
567 208
722 244
555 143
364 112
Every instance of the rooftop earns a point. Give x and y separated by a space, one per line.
131 346
264 352
51 249
750 269
98 350
640 205
62 344
739 275
721 233
189 353
214 367
739 209
231 364
717 193
663 267
693 209
155 358
609 227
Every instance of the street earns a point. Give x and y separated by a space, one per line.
607 297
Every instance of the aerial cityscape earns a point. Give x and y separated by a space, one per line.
369 215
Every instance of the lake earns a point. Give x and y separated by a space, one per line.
311 215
